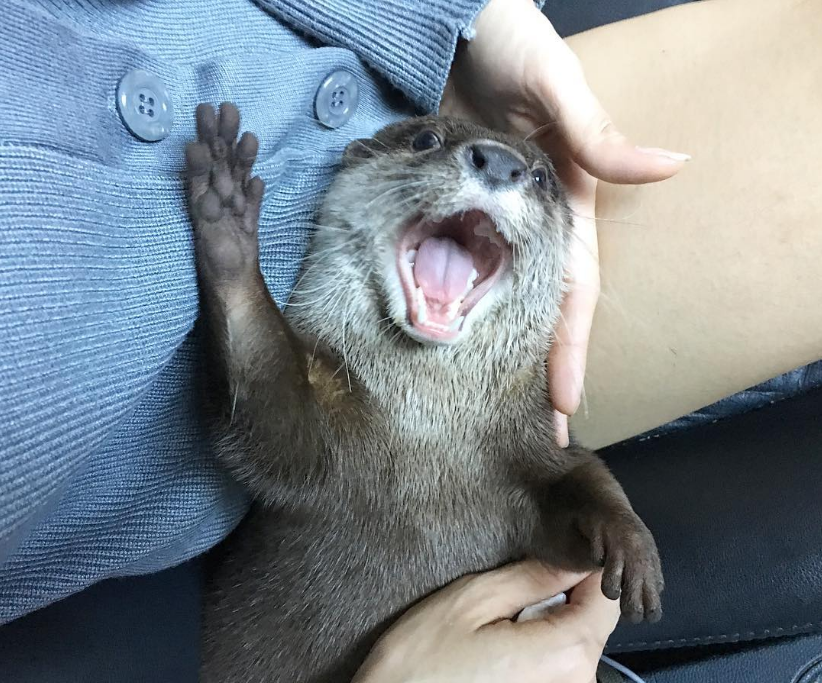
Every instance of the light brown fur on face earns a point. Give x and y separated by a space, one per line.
384 467
375 196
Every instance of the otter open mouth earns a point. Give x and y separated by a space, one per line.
446 268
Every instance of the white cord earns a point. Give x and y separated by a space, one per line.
623 670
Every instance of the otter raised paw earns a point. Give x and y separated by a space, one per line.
224 199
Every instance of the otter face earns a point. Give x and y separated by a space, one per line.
451 222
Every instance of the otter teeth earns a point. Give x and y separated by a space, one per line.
452 311
486 229
411 256
422 310
454 308
469 286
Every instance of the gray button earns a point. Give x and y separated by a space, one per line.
337 99
145 105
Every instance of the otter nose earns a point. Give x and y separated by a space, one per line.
496 165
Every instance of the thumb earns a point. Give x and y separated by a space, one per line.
590 610
588 133
503 593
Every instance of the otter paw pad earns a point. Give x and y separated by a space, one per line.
224 200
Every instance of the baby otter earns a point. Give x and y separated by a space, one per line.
396 429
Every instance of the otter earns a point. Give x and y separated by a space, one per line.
395 427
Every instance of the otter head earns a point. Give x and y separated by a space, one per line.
440 228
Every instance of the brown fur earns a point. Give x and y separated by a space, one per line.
384 468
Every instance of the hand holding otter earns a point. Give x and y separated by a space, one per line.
519 76
465 632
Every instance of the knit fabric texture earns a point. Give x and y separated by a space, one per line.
105 468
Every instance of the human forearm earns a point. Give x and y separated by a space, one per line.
710 281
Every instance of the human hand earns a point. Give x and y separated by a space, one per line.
517 75
465 633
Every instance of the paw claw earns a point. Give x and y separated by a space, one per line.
611 593
634 617
652 601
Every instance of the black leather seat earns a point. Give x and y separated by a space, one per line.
736 508
574 16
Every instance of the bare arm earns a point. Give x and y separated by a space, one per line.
710 281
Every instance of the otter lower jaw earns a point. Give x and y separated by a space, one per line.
446 267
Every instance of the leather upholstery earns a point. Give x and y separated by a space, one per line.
736 508
792 383
812 673
575 16
794 660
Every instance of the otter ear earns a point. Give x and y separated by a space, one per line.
357 150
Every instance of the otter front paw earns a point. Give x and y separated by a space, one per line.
632 572
224 200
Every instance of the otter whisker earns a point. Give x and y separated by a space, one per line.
375 140
598 219
235 393
540 129
313 355
398 188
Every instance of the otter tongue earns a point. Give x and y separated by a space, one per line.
442 270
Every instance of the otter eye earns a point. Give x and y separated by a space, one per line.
540 177
426 139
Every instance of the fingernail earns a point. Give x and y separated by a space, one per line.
658 152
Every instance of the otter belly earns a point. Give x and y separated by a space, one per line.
301 599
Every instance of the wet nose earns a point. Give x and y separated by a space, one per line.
497 165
